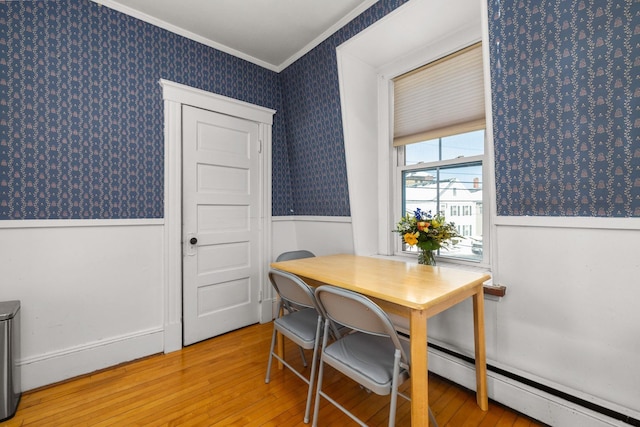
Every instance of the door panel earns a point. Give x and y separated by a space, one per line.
222 179
221 203
223 218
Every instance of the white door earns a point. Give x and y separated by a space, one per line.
220 230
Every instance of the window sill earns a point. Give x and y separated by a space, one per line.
492 291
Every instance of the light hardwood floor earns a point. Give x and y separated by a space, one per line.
220 382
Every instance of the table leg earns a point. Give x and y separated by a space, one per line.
419 369
481 354
280 349
280 344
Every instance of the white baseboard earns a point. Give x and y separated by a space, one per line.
527 400
173 337
269 310
55 367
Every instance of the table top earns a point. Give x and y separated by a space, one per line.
419 287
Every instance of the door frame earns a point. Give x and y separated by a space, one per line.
174 96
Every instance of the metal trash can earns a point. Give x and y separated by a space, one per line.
10 389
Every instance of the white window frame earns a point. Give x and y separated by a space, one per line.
397 162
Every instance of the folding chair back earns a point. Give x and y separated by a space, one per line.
355 311
299 254
292 289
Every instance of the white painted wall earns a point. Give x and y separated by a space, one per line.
320 235
91 293
361 150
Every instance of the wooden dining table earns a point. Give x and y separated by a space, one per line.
411 290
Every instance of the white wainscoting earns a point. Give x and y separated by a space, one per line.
569 319
91 293
318 234
571 314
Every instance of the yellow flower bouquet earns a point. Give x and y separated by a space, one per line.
428 232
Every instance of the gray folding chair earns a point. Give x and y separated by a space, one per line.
373 355
299 254
302 325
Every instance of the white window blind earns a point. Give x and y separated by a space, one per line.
443 98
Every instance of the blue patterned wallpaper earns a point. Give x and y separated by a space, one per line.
314 122
81 111
566 103
566 97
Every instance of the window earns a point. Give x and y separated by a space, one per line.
447 172
439 138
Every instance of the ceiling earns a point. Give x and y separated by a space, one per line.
270 33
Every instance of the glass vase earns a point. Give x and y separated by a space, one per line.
426 257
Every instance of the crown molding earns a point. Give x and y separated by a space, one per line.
111 4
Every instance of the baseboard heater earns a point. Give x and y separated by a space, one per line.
550 390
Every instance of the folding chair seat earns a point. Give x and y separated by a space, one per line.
373 354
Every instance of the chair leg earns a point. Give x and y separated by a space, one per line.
432 419
312 375
304 359
394 389
273 344
316 407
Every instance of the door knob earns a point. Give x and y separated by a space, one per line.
193 241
